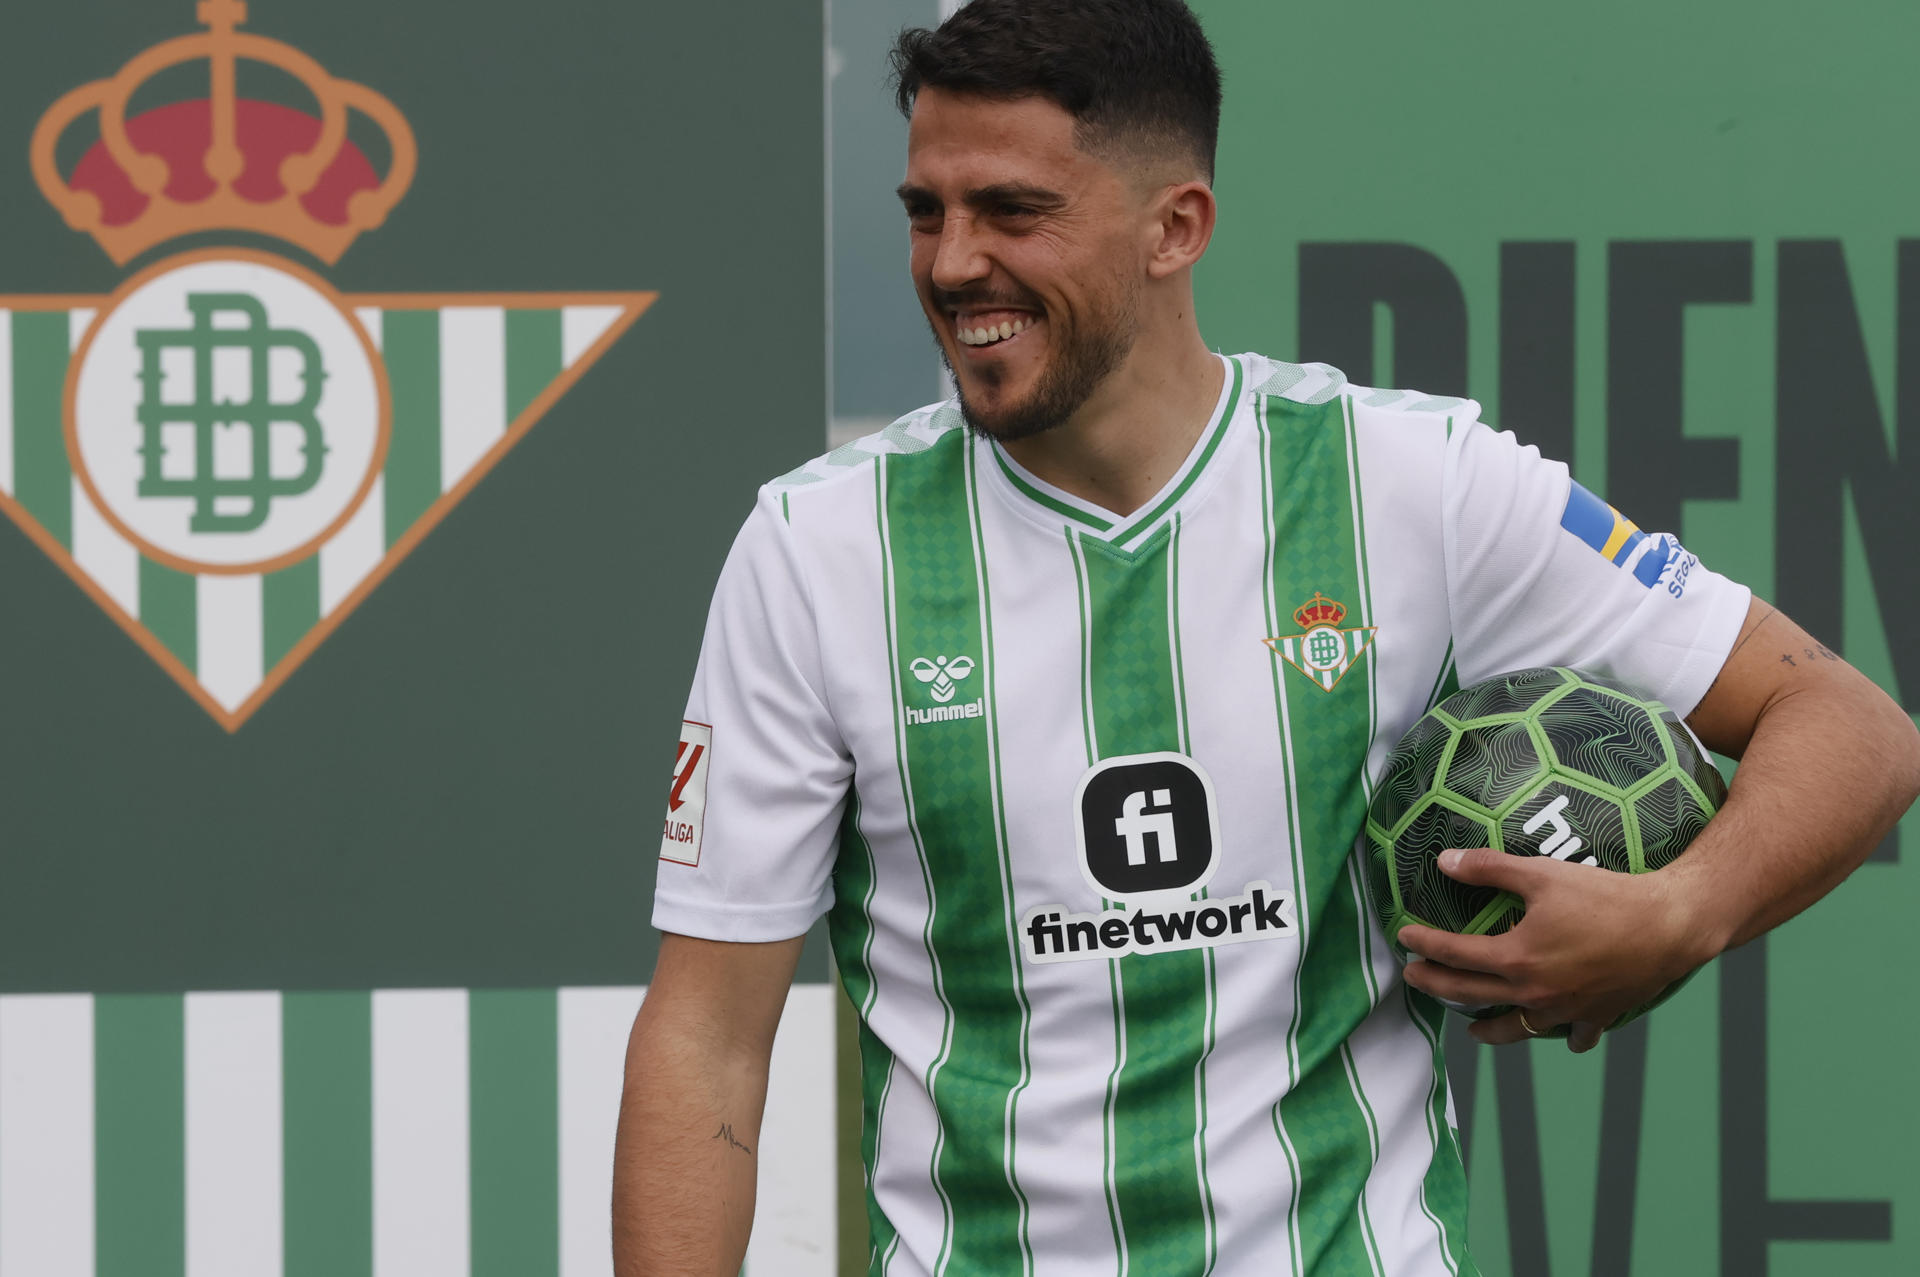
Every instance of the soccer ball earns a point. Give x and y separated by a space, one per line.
1541 762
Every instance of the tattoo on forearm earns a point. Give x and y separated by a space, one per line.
726 1133
1818 652
1771 613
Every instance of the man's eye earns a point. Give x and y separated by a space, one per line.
1013 210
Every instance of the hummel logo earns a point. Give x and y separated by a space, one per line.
942 674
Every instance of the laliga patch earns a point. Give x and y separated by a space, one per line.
687 799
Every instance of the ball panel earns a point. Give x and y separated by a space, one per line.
1602 738
1500 914
1670 815
1422 888
1492 765
1571 822
1411 771
1508 694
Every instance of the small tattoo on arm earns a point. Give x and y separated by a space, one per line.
1818 652
726 1133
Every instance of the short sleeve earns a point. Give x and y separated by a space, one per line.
760 773
1542 572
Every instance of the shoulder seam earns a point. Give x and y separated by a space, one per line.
915 432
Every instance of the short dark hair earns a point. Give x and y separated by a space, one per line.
1136 75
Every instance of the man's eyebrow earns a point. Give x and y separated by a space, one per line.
979 196
1015 193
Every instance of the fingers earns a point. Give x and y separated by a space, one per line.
1450 984
1488 954
1585 1036
1485 867
1502 1030
1512 1027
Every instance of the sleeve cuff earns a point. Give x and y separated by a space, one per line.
737 922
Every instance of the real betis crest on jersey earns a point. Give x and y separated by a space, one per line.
1322 650
226 453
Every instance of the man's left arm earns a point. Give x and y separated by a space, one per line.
1828 764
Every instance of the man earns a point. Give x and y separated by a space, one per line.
991 689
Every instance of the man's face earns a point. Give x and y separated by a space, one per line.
1026 254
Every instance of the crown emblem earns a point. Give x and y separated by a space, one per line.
1319 610
223 162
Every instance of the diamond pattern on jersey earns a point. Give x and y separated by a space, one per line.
949 769
1165 1225
1324 1118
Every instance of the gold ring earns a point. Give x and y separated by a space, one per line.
1526 1023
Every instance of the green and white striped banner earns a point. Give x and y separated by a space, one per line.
397 1133
468 376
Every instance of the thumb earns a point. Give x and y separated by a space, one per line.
1485 867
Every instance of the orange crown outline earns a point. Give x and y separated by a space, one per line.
290 216
1319 610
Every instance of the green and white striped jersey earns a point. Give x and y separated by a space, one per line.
1081 795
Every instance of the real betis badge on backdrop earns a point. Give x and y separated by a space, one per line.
226 453
1322 650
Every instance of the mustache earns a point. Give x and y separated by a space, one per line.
982 299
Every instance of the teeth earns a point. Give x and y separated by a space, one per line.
988 335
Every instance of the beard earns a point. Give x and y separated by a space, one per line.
1078 365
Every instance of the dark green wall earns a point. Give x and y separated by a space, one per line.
463 785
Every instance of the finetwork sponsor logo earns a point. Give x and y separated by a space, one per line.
1049 934
1147 827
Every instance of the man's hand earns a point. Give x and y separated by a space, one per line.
1593 946
1828 763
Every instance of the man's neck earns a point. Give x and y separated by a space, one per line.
1125 442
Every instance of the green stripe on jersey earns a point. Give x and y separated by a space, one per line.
850 928
1134 691
951 773
1443 1192
42 479
1324 1116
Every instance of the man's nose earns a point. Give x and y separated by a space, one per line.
958 259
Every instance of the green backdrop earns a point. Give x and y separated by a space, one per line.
1672 244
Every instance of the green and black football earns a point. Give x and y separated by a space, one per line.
1540 762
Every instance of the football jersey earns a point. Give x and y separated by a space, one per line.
1080 795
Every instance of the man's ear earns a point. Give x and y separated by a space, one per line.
1183 227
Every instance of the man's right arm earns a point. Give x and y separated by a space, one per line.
685 1159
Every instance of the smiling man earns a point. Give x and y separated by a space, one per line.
1063 700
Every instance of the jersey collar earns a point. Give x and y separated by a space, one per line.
1055 507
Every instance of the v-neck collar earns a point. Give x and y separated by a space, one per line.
1049 505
